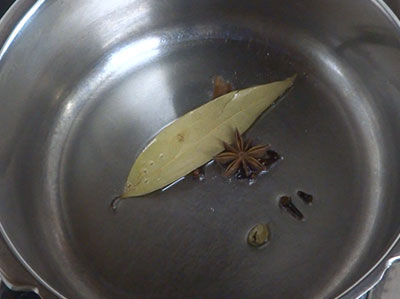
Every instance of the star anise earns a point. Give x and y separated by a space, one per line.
242 156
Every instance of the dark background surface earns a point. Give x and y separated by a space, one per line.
395 6
4 5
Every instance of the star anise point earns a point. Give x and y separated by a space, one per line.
242 156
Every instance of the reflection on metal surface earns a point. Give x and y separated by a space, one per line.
132 54
389 287
19 26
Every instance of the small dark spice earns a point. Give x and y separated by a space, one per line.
273 155
221 87
286 203
307 198
198 174
271 159
253 176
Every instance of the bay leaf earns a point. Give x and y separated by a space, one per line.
195 138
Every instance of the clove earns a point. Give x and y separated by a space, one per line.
272 158
307 198
287 203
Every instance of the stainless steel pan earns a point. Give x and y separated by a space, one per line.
84 85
